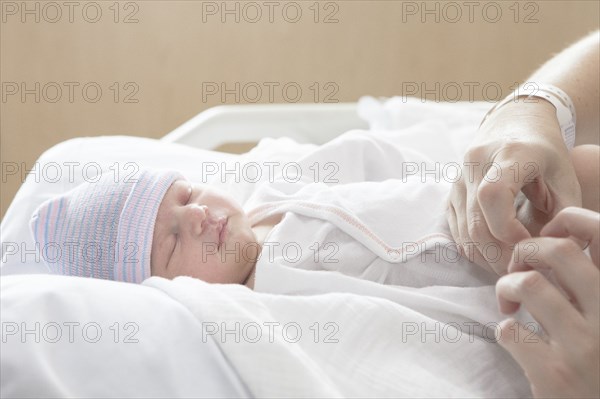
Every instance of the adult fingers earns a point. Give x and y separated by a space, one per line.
561 258
457 218
496 196
456 202
526 347
580 223
475 228
545 303
486 247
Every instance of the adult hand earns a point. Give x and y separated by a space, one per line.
519 148
565 362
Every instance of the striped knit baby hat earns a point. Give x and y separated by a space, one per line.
102 229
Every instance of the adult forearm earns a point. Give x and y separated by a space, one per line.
576 70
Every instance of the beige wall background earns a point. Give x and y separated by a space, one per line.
154 61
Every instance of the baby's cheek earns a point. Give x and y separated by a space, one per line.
159 256
250 254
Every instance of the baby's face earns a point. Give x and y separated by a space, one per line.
202 232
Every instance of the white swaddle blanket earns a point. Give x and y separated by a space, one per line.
380 213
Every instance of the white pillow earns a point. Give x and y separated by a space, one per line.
401 113
398 112
75 161
79 337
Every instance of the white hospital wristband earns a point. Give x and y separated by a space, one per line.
565 110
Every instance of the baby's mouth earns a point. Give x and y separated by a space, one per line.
214 229
222 229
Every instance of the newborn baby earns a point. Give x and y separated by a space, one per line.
158 224
379 222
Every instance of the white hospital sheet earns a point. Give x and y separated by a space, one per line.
343 345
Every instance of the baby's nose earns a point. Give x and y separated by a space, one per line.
194 217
